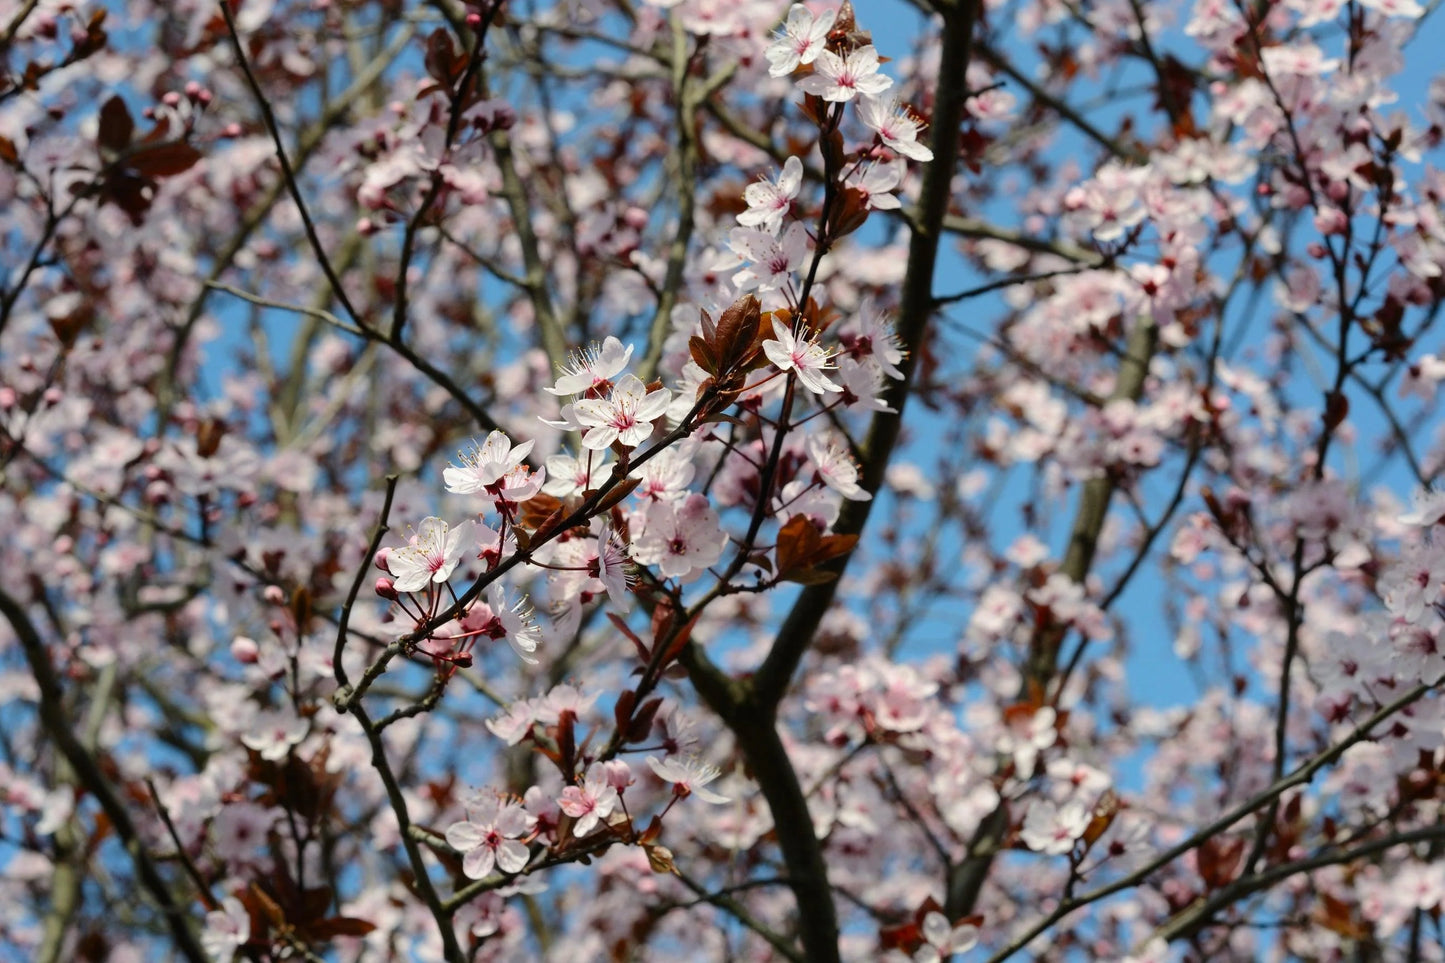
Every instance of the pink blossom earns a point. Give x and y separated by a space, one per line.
227 929
942 939
513 622
679 537
835 466
689 777
799 41
770 201
488 837
590 803
896 126
840 79
667 476
876 182
1052 829
1414 581
612 566
275 733
625 416
1427 509
429 556
483 466
1395 8
801 355
593 368
570 476
772 260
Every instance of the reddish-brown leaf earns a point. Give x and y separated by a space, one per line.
340 926
679 640
116 127
268 907
441 56
642 650
622 709
165 160
737 329
702 353
538 509
619 492
797 541
641 723
833 546
1218 860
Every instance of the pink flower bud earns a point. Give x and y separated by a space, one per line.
245 650
274 595
380 559
385 589
635 218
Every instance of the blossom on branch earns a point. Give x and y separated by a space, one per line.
805 356
689 777
840 79
488 838
800 40
896 126
591 802
770 201
625 416
772 260
429 556
679 537
592 368
484 465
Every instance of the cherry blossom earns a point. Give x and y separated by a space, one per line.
1148 626
773 260
804 356
689 776
513 622
840 79
227 929
593 368
679 537
771 201
486 464
612 566
1052 829
836 467
624 417
591 802
876 182
941 939
896 126
430 555
488 837
799 41
569 476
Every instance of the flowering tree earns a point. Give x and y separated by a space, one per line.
592 481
